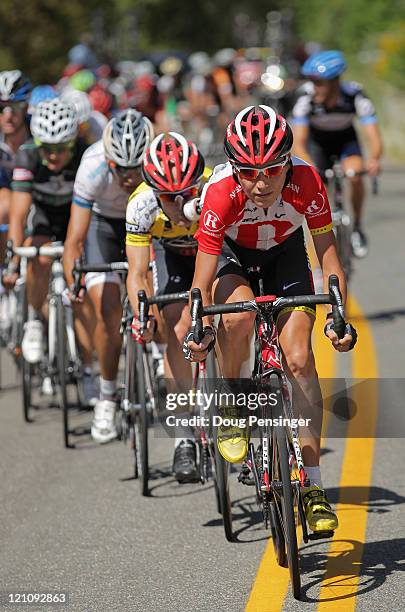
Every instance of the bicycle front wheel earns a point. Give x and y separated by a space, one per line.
284 505
61 364
141 422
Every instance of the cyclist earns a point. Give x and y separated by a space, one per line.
108 173
173 171
42 194
323 129
254 207
40 93
92 123
15 90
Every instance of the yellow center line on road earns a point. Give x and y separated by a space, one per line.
272 581
341 580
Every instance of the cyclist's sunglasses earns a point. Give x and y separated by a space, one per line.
55 148
251 174
14 107
187 194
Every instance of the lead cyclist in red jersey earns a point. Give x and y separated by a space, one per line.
254 207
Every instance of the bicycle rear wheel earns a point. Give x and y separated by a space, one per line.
141 422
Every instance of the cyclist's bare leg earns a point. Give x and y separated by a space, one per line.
177 318
85 327
295 329
5 196
38 271
107 338
355 162
234 330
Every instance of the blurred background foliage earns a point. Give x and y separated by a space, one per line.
36 34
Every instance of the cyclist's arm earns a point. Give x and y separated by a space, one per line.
19 208
301 135
375 146
76 237
204 276
325 247
137 279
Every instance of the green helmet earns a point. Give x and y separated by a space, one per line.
82 80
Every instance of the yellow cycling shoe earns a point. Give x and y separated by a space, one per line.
318 510
232 440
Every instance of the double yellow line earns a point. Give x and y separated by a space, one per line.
340 581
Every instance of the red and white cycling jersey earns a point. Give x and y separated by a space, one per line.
227 211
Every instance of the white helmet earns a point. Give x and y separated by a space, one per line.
80 100
14 86
54 122
126 138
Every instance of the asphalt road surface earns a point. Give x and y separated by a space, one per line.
74 520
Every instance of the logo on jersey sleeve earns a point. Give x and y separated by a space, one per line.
317 206
212 222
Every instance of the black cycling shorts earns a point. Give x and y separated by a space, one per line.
326 147
51 221
172 272
105 240
285 268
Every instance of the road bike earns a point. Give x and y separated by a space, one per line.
274 466
61 365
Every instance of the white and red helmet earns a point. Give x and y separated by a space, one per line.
172 163
258 137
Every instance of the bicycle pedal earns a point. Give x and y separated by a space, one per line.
246 479
320 535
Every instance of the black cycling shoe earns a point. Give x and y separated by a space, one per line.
184 462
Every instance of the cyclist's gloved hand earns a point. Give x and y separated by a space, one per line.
341 344
198 352
71 294
148 333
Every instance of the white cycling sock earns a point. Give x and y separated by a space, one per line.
108 388
314 476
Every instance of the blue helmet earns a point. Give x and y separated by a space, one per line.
40 93
324 65
14 86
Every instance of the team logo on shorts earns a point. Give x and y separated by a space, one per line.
212 222
317 206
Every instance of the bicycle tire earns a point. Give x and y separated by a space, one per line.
222 478
287 511
27 377
141 423
211 375
277 536
130 393
61 364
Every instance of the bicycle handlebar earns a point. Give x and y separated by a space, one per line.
144 302
29 252
276 304
81 268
